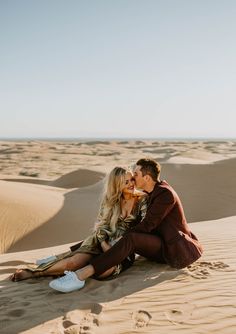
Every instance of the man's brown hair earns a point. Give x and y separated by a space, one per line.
149 167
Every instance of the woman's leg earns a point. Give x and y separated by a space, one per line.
76 261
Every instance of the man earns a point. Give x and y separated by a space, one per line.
162 236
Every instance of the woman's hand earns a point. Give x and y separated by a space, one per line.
105 246
114 241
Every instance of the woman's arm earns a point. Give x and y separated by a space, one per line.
105 246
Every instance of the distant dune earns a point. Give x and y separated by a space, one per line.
35 216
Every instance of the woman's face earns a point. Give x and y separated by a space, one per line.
128 187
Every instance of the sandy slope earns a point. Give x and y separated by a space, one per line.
148 298
60 208
35 216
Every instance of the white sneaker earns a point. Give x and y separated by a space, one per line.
69 282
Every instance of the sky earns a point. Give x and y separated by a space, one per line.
126 68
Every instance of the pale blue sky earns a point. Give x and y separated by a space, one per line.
118 68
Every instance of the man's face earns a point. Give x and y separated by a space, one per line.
138 177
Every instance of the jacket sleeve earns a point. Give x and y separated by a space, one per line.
102 233
158 209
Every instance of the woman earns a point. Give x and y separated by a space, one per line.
121 209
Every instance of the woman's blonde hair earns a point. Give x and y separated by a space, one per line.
110 209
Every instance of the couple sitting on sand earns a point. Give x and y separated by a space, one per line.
150 223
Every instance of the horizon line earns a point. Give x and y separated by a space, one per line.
117 138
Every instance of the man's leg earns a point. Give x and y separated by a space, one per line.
147 245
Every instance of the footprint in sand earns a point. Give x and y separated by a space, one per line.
201 269
141 318
179 314
76 322
74 329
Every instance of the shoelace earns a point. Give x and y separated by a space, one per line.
68 275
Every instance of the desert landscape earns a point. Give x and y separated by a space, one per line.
49 198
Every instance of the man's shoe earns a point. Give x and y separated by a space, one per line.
69 282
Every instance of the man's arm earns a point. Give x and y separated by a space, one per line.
156 212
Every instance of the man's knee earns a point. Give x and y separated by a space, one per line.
128 236
131 237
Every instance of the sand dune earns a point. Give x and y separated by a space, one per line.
75 179
58 208
23 209
207 191
48 160
148 298
35 216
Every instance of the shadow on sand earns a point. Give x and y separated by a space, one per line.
32 302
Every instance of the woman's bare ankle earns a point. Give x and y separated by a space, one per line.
85 272
21 274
